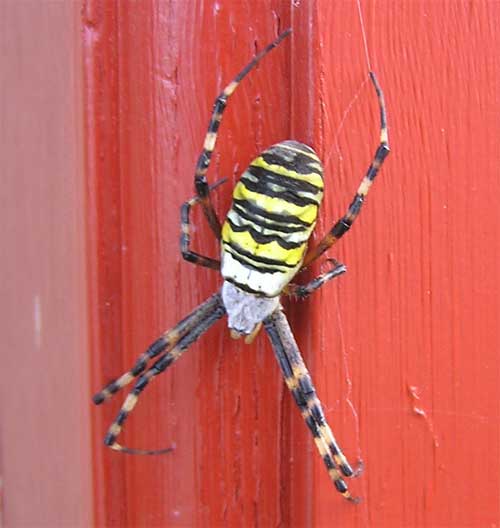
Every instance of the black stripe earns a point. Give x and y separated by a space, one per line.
328 460
299 397
306 385
317 412
113 387
292 145
340 228
340 485
214 125
140 385
297 146
245 287
285 218
260 238
285 181
283 228
219 105
263 260
252 266
239 251
234 254
122 416
311 424
98 398
109 439
263 187
355 206
261 54
300 163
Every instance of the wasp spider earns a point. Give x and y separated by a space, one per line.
263 246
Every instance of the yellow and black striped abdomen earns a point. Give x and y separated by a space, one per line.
274 210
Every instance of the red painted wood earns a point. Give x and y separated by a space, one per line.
403 348
221 404
391 345
44 437
104 239
406 352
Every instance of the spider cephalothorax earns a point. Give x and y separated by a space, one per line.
263 247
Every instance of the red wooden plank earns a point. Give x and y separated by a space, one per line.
417 312
390 345
44 437
104 238
403 348
220 470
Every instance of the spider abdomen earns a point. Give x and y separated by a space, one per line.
274 210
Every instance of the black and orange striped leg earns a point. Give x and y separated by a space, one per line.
299 382
201 185
163 344
160 365
344 224
303 290
185 240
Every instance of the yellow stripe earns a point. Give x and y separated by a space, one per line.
115 429
271 250
210 140
307 213
285 272
230 88
365 186
311 177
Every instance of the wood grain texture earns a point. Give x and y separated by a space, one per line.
403 348
221 404
406 352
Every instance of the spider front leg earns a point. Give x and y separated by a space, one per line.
344 224
303 290
187 254
299 382
199 321
200 179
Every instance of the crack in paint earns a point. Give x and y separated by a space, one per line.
418 409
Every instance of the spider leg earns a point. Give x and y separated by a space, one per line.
164 343
200 180
303 290
187 254
299 382
343 225
161 364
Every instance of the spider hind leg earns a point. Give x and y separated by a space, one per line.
299 382
164 343
207 314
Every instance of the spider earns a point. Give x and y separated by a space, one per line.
263 247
